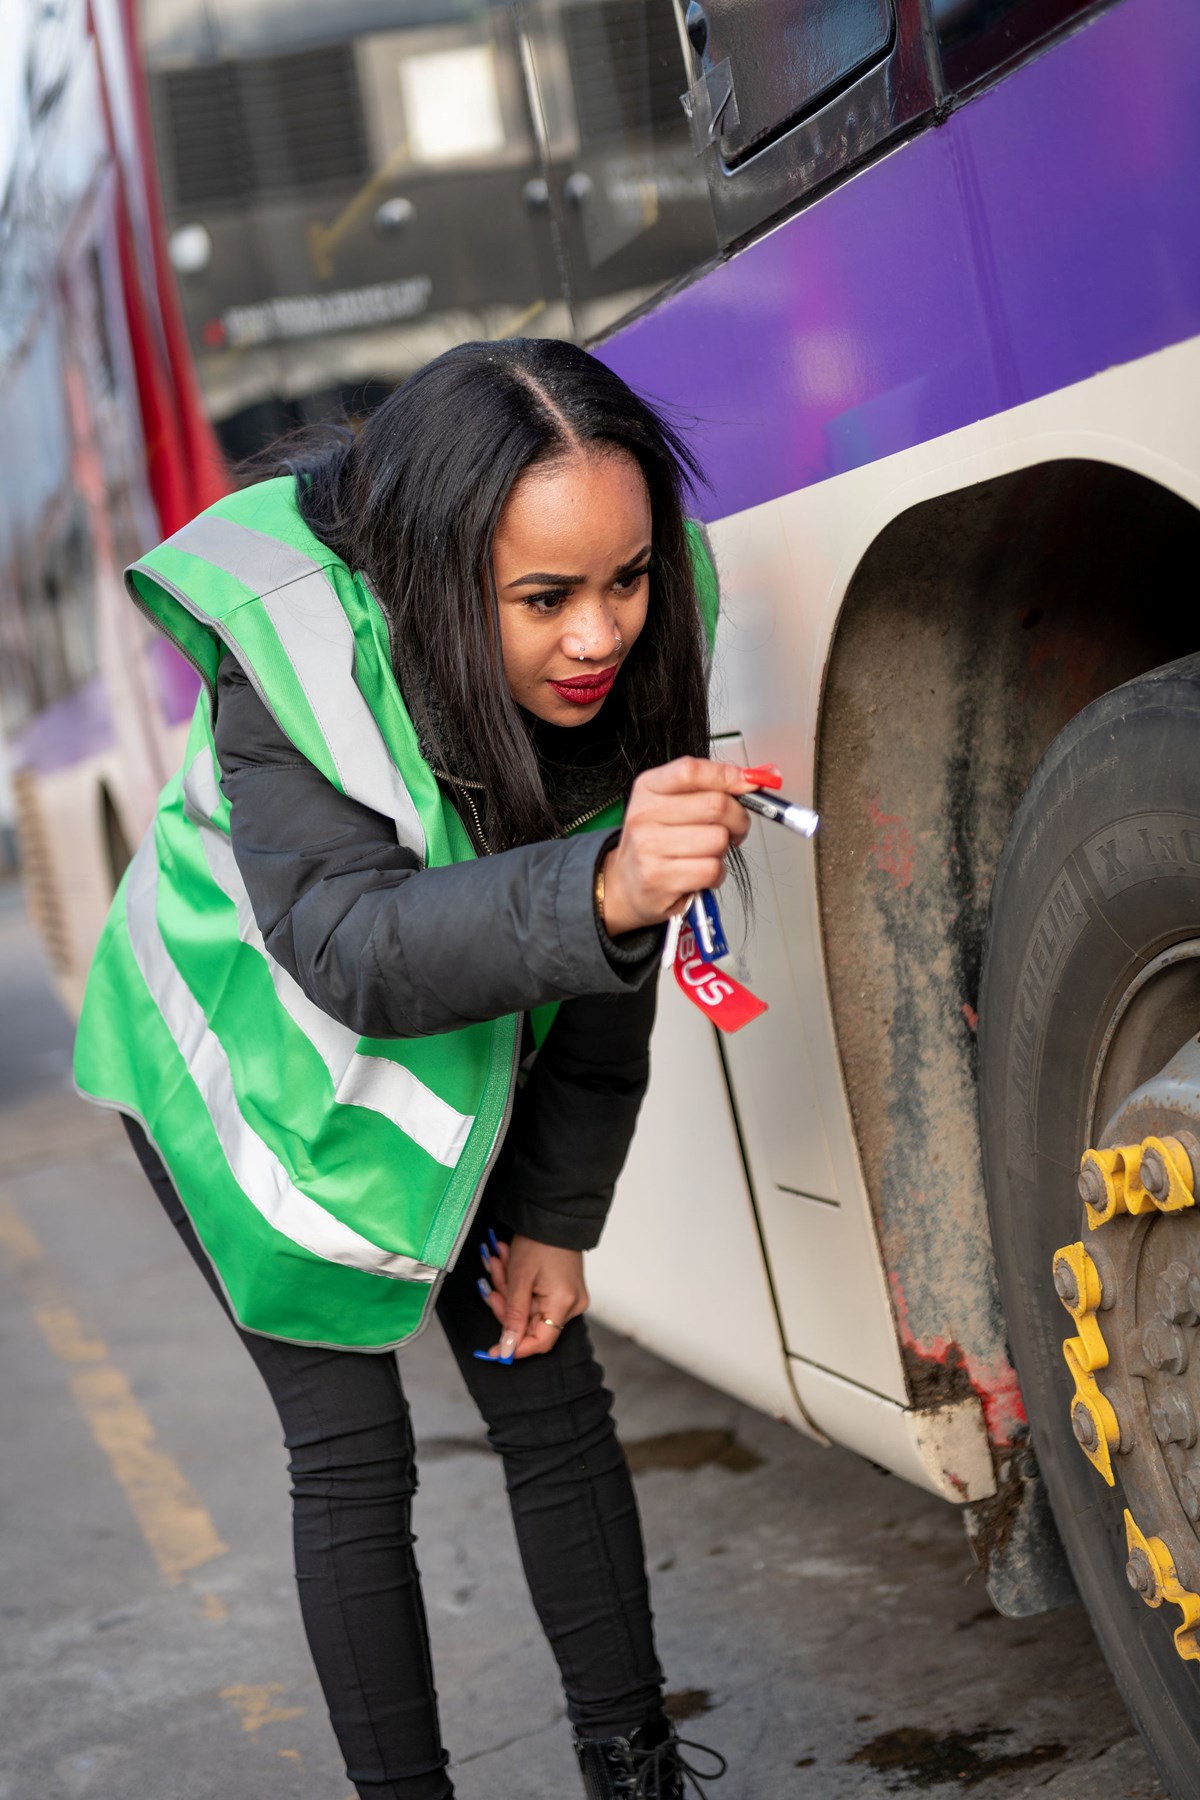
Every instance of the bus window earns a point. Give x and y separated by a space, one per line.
631 196
978 38
784 59
787 97
348 191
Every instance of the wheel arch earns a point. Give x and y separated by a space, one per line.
974 624
73 840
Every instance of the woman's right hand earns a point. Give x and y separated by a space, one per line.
680 824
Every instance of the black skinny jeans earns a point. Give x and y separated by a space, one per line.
346 1424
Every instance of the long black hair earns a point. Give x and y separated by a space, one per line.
413 499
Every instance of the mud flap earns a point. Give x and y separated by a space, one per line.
1016 1543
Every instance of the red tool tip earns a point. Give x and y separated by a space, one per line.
765 775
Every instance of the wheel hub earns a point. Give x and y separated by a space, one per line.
1131 1285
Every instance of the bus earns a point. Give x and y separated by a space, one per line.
105 445
922 277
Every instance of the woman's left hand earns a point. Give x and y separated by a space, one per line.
536 1289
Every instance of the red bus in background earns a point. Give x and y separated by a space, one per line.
105 448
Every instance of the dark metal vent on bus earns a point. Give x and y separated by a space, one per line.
627 69
265 125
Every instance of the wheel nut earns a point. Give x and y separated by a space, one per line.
1139 1573
1189 1491
1092 1190
1065 1284
1154 1175
1084 1427
1165 1346
1107 1274
1173 1293
1174 1420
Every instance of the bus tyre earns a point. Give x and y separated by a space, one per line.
1091 984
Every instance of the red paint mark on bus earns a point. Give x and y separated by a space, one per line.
1000 1396
938 1366
893 849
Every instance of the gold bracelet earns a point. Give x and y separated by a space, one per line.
598 891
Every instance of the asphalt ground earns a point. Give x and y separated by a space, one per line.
822 1624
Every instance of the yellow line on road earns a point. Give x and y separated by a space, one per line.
173 1519
255 1705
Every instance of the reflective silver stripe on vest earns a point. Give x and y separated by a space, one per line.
300 602
376 1082
256 1168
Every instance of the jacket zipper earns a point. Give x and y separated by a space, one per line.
466 784
587 817
461 781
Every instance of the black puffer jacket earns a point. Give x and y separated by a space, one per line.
394 950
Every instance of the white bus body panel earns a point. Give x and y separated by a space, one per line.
677 1267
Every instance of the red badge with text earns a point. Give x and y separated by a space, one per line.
725 1001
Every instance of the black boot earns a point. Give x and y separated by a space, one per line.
650 1765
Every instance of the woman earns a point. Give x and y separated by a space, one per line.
380 981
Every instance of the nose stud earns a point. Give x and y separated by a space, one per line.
618 645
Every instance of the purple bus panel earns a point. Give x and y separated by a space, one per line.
78 726
1048 230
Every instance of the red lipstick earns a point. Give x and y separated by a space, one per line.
585 690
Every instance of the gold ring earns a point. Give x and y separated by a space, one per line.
553 1323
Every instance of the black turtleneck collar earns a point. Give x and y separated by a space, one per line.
581 765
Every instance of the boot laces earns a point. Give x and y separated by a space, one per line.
656 1767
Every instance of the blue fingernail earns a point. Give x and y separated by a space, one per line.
505 1360
483 1356
484 1288
483 1251
493 1241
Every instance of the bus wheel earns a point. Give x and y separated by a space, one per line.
1089 1054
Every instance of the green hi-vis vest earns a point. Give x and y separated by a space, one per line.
330 1178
